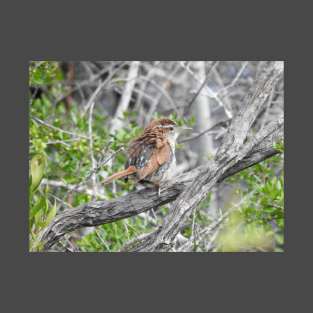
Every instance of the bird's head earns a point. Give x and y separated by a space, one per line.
166 127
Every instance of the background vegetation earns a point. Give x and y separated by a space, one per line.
83 114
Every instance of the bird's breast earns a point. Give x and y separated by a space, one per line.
165 171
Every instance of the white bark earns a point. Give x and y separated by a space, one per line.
203 115
126 96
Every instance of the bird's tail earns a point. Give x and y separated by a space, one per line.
130 170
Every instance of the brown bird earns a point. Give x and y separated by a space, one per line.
151 157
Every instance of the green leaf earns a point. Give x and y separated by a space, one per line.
51 214
37 167
39 218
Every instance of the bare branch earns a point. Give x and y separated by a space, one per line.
78 188
57 128
210 130
204 83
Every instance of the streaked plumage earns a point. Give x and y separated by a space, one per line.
151 157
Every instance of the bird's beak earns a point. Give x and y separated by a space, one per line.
182 129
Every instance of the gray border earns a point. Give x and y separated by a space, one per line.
256 282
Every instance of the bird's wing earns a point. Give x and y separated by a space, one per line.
158 157
148 155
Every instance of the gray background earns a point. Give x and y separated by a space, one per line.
243 282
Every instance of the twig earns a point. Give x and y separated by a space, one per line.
234 81
204 83
218 224
162 91
101 87
57 128
91 104
70 187
91 80
213 226
81 186
209 130
157 99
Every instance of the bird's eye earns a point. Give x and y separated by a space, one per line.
171 128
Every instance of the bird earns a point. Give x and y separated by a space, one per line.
151 157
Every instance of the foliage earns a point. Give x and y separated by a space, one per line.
240 235
111 237
262 207
37 167
43 72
